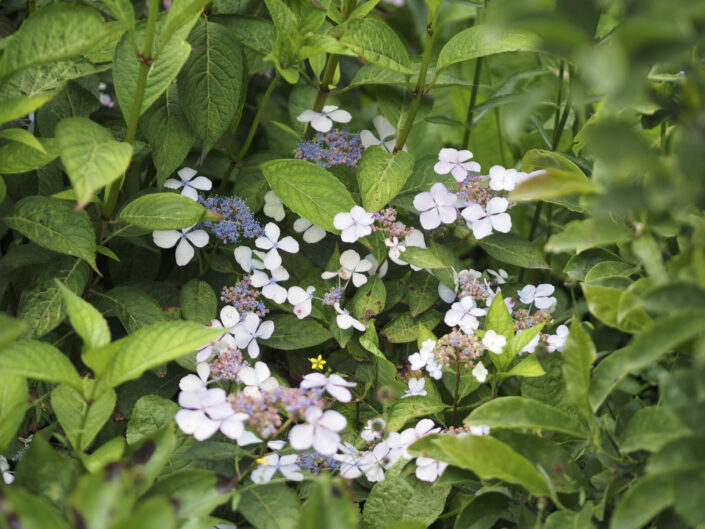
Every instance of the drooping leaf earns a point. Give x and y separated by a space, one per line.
40 361
16 158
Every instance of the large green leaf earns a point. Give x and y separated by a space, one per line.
578 356
369 299
521 412
198 301
72 101
81 421
55 225
16 158
133 307
24 137
88 323
162 211
486 457
52 33
270 506
642 501
330 506
92 158
211 81
381 175
580 235
481 41
13 402
404 410
292 333
422 292
509 248
195 492
308 190
18 107
40 361
651 429
376 42
30 510
169 135
559 177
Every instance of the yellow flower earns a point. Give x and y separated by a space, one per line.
261 460
317 363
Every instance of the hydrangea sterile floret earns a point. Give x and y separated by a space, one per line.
455 162
270 241
436 206
189 185
323 121
353 225
321 431
185 239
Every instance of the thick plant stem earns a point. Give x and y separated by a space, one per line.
473 101
145 59
418 91
456 393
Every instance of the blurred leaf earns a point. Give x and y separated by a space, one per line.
329 507
651 429
19 107
404 410
580 235
509 248
559 177
13 403
578 356
272 506
194 492
16 158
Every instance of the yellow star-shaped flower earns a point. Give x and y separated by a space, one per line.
317 363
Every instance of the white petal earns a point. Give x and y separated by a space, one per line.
367 139
173 183
448 155
258 279
384 128
341 116
184 253
190 383
186 173
459 173
189 420
253 349
307 115
501 222
430 219
313 380
544 289
301 436
349 259
262 372
265 330
190 192
247 375
292 472
296 295
301 224
247 438
329 108
358 279
343 221
272 260
199 238
289 244
424 201
202 183
166 239
322 123
325 442
447 214
497 205
481 228
229 316
339 393
445 293
314 234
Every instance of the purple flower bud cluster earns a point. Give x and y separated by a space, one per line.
227 365
475 190
237 222
263 418
456 346
243 297
326 149
295 400
333 296
524 320
315 462
387 219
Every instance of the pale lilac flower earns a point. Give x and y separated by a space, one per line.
508 301
374 429
353 225
191 186
456 162
502 179
494 342
206 412
387 139
416 388
419 359
351 267
273 207
345 321
480 372
248 438
411 435
229 317
323 121
556 342
464 314
445 293
320 431
376 269
531 346
269 465
500 276
395 248
185 238
301 300
311 233
436 206
270 242
257 379
415 239
428 469
373 462
271 289
249 330
334 385
244 257
197 382
350 461
539 296
482 221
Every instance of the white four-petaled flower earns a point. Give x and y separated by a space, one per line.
428 469
311 233
556 342
257 379
269 465
539 295
191 186
456 162
320 431
480 372
494 342
345 321
353 225
249 330
394 247
270 242
185 238
323 121
273 207
416 388
351 267
206 411
483 220
386 132
436 206
502 179
374 429
271 289
464 314
301 300
335 385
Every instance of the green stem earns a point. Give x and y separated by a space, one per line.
84 418
145 60
473 100
456 393
559 97
419 90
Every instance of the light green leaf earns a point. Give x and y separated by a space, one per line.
485 456
376 42
70 407
404 410
198 301
52 33
162 211
88 323
107 453
23 136
521 412
642 501
10 329
651 429
308 190
72 101
92 158
481 41
369 299
529 367
578 356
580 235
401 329
211 81
292 333
604 303
19 107
330 506
133 307
13 403
270 506
183 13
422 257
169 135
482 511
123 11
16 158
499 319
40 361
559 177
195 492
31 510
381 175
509 248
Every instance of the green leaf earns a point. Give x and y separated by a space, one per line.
92 158
651 429
482 511
154 513
330 506
604 303
51 34
54 224
133 307
30 510
69 406
13 403
18 107
642 501
559 177
529 367
211 81
646 348
422 292
422 257
183 13
88 323
404 410
168 133
481 41
17 158
369 299
485 456
10 329
292 333
195 492
509 248
272 506
580 235
42 306
126 67
578 356
24 137
198 302
374 41
521 412
401 329
40 361
381 175
571 519
308 190
72 101
162 211
149 347
107 453
499 319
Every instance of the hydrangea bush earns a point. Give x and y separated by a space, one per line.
347 263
